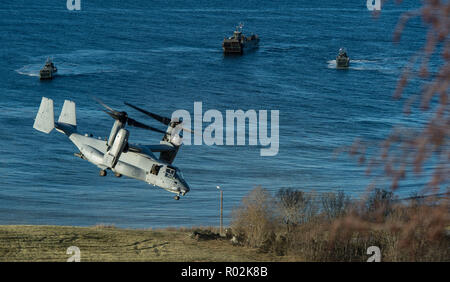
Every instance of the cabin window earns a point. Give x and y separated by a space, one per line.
155 169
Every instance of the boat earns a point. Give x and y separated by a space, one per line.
48 71
237 43
342 60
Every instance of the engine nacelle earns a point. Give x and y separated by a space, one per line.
112 156
176 140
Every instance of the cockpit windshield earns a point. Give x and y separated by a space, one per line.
170 172
175 173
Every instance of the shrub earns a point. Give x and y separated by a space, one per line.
334 205
378 205
255 218
295 207
343 230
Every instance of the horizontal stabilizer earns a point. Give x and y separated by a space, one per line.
45 119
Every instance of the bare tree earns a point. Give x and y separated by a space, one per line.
295 206
335 205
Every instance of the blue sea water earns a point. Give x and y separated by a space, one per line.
166 55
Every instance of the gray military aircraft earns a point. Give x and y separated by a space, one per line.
115 153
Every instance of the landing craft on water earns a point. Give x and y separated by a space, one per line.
116 153
48 71
237 43
342 59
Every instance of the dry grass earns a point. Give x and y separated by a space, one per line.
107 243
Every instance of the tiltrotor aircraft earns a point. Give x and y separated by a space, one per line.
115 153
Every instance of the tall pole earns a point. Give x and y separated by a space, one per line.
220 210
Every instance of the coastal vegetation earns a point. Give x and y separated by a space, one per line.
333 227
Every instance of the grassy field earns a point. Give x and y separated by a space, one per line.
102 243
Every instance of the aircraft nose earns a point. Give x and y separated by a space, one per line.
185 189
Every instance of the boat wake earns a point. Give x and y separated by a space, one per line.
29 70
80 62
365 65
65 70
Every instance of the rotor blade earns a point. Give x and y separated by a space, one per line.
132 122
187 130
111 114
159 118
103 104
191 131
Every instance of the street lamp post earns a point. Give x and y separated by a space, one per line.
221 210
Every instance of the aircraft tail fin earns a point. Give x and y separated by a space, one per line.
68 114
45 118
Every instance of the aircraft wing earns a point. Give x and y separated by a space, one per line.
160 147
138 148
